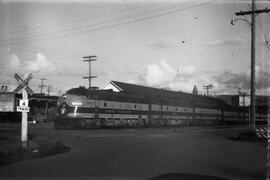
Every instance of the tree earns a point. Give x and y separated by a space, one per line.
195 90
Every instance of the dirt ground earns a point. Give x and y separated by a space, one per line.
11 150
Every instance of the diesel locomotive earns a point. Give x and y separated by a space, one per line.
81 108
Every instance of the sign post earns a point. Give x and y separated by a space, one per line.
24 105
24 121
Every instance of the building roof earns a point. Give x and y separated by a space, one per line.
156 93
43 98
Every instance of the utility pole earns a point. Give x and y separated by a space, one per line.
41 86
210 86
49 90
253 13
89 59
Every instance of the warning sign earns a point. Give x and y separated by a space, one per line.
23 109
24 102
244 100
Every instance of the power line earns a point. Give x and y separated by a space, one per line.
108 26
82 19
45 51
78 28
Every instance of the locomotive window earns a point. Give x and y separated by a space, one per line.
105 104
167 108
176 109
135 106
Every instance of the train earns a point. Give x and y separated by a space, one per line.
82 108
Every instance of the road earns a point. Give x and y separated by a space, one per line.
144 154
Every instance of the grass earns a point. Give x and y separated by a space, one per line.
11 150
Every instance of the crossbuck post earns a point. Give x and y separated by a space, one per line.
24 105
24 121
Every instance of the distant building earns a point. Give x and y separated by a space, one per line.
4 88
113 86
42 108
261 102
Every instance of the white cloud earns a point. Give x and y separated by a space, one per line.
183 78
163 75
158 74
40 64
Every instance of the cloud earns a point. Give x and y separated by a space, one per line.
15 62
40 64
228 42
232 80
183 78
159 74
262 76
163 75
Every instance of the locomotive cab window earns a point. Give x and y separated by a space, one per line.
105 104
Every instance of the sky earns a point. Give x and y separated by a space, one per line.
165 44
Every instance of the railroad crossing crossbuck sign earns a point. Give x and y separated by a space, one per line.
24 108
23 83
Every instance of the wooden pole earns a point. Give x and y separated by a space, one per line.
24 122
268 148
252 67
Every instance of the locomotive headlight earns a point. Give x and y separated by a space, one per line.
76 103
63 110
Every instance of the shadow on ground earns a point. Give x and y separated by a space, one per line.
249 136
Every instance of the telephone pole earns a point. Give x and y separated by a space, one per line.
49 90
41 86
253 13
89 59
210 86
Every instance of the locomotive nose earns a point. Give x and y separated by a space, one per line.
62 109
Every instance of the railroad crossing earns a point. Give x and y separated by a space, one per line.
23 105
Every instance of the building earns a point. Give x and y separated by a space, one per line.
162 94
42 108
